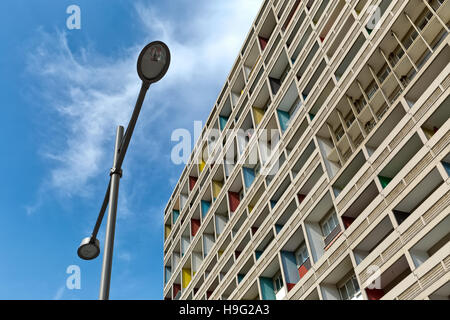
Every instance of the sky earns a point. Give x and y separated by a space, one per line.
63 92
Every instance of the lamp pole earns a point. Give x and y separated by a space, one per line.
153 63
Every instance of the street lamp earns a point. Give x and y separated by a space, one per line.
152 65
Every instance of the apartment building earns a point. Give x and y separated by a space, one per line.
348 197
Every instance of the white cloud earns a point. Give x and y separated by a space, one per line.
91 93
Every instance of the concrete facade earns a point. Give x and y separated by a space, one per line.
348 197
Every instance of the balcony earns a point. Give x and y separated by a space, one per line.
295 259
402 157
266 30
418 195
437 119
341 283
289 106
271 282
318 228
431 243
380 232
390 278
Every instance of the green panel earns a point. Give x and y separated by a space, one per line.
284 118
384 181
175 215
223 122
267 290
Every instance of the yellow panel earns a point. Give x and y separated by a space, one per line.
186 277
258 113
202 165
428 133
220 253
167 231
217 186
250 208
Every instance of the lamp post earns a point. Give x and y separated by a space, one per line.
152 65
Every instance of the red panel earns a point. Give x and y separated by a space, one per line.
254 229
347 221
192 181
195 225
237 254
208 294
290 286
234 200
374 294
302 271
301 197
176 289
263 42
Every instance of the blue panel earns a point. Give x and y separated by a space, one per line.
290 267
258 254
249 176
267 290
273 203
223 122
278 228
240 277
447 167
205 207
284 119
168 274
175 215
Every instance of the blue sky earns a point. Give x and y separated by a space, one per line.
63 92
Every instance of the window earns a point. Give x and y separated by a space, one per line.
360 104
277 282
396 55
409 38
369 125
435 4
384 73
371 90
339 133
424 21
349 119
301 255
329 223
350 290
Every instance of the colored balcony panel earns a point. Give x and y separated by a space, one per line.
167 230
234 200
205 205
240 277
258 254
175 215
446 167
217 187
283 118
223 122
289 264
167 274
258 115
192 182
176 290
384 181
249 176
263 42
186 277
267 290
303 269
195 225
374 294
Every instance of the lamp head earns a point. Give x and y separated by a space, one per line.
153 62
89 249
